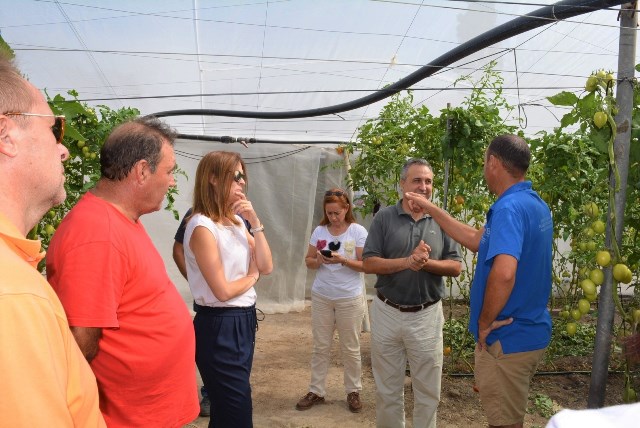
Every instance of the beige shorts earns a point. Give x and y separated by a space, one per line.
503 381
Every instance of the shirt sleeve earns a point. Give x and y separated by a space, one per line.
361 236
507 234
374 241
450 249
315 235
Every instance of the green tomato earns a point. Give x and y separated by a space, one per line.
620 273
589 232
583 272
598 226
584 306
603 258
592 83
49 229
591 209
610 79
571 328
588 286
596 276
576 314
600 119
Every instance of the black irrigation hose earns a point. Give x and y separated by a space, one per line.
543 16
562 373
228 140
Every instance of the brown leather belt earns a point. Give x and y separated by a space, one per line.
405 308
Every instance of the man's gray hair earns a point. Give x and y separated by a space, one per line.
413 161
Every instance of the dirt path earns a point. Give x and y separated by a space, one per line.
281 376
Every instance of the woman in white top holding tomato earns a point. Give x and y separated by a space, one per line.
335 250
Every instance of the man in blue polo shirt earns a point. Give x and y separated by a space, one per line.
512 281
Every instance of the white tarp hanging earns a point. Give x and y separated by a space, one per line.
286 186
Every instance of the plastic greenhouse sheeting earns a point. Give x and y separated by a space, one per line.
286 187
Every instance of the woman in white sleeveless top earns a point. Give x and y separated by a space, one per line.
224 263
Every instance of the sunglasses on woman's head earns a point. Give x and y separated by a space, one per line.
333 193
237 176
58 125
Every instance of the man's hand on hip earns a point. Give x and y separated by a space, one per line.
484 332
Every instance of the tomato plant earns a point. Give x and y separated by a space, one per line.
570 170
85 132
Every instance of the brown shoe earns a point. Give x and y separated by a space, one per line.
308 401
353 400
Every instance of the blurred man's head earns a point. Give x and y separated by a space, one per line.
31 152
506 161
140 153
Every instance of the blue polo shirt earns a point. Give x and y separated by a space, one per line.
518 224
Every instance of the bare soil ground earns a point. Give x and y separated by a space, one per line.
281 376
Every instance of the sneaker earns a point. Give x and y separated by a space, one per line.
205 406
353 400
308 401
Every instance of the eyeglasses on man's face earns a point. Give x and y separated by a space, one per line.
333 193
58 125
237 176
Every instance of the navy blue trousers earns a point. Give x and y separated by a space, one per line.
225 341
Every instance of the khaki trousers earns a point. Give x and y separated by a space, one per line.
344 315
395 338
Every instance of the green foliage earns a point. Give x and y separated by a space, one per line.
564 345
543 405
456 335
570 169
5 49
402 131
86 130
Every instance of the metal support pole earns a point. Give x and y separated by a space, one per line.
447 166
606 308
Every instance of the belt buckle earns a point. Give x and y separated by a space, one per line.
409 308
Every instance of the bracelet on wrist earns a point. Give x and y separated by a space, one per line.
257 229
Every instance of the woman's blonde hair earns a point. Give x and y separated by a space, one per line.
212 200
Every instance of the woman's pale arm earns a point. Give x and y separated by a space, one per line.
261 251
313 259
355 264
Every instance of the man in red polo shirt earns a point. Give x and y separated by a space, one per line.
124 311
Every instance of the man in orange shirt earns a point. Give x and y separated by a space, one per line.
45 379
124 311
